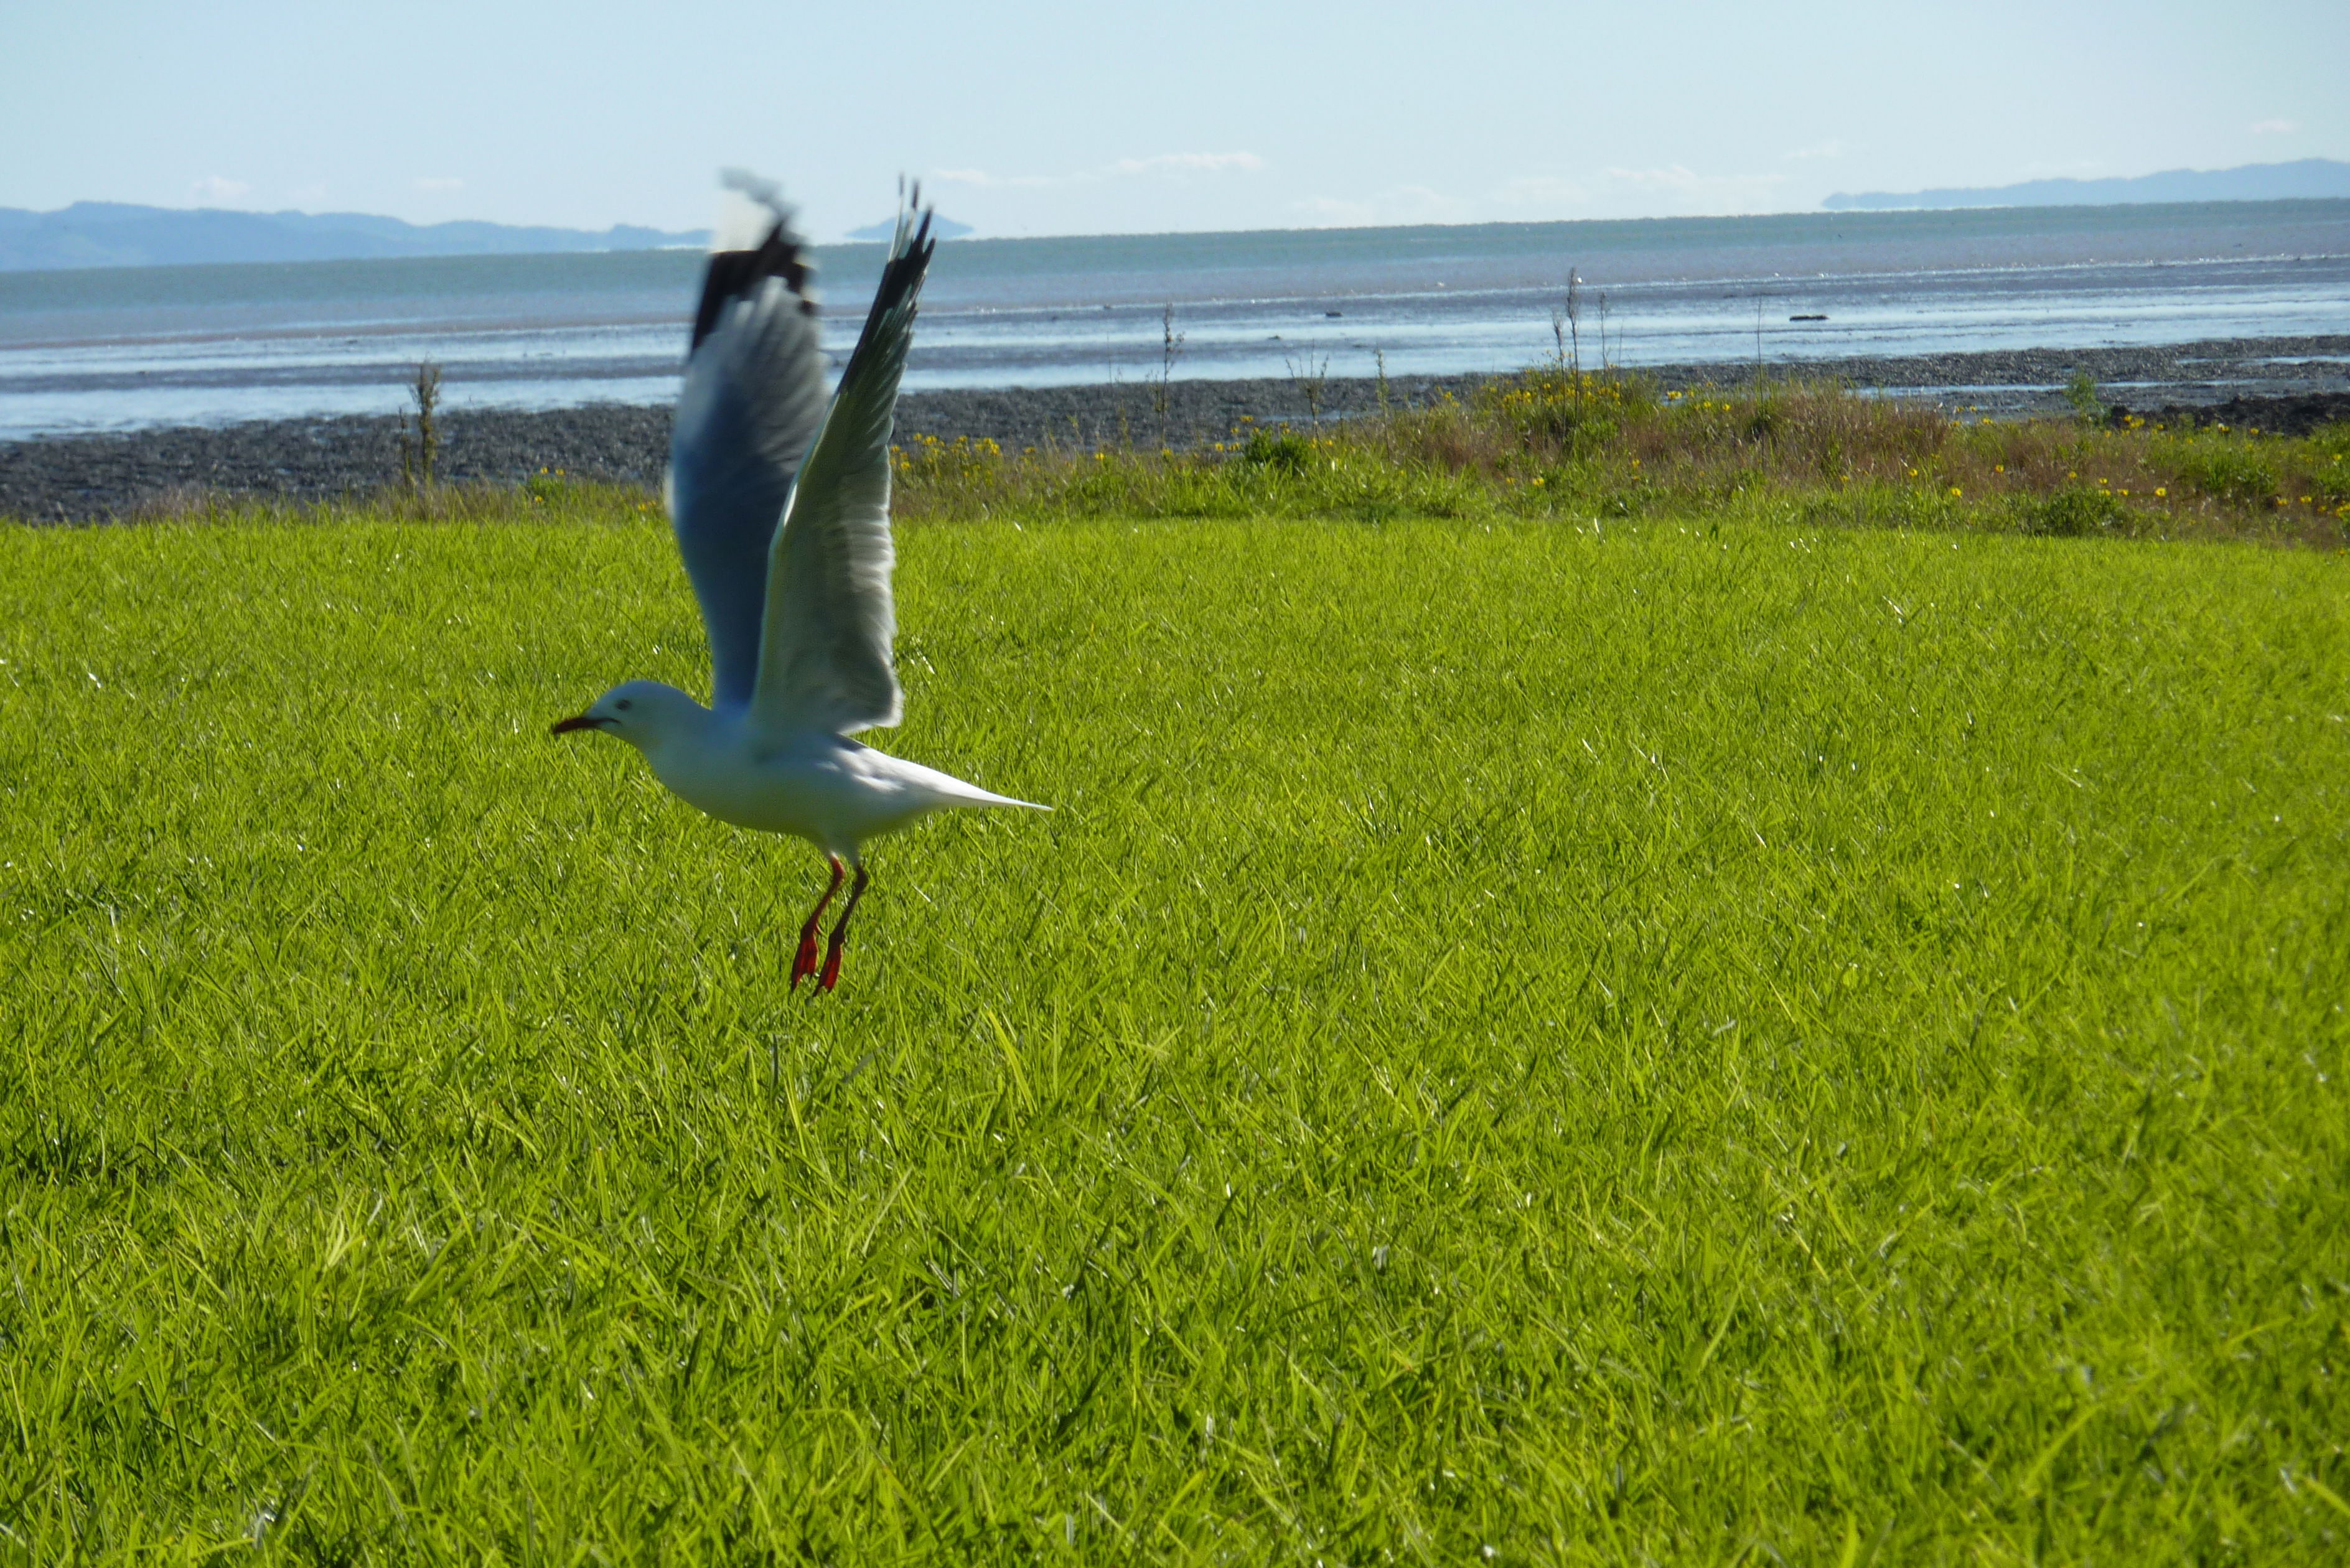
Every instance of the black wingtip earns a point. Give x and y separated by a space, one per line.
910 254
734 274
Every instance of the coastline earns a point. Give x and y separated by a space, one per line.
82 478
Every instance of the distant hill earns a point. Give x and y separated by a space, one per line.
2252 182
113 234
941 228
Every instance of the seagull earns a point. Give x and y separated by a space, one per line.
781 505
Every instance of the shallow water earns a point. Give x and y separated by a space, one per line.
125 349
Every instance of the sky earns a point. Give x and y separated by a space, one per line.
1103 116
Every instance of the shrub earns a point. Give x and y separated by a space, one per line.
2332 440
2068 513
1286 451
2080 392
927 460
1561 411
2226 471
1881 506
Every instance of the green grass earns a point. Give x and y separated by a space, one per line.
1681 1040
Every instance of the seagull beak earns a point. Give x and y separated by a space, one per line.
577 722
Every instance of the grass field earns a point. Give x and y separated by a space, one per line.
1686 1039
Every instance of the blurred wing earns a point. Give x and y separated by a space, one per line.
752 400
825 660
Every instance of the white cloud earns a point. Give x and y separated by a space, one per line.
428 183
1188 162
212 188
1688 185
1165 163
2077 169
1399 204
1543 190
2276 127
1831 148
1669 190
1330 212
1673 190
986 182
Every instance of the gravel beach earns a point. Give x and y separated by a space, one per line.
2280 383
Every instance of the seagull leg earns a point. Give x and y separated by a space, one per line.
804 961
840 932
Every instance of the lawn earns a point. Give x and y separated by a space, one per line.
1692 1038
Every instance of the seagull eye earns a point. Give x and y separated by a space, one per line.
622 704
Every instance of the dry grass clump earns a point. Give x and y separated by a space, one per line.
1553 442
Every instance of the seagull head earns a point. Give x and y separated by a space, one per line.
642 712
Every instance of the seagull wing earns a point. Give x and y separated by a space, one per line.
751 403
824 662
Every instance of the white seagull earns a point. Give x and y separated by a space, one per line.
781 505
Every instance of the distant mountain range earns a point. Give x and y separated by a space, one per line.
113 234
941 228
2252 182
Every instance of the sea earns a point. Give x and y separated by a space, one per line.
128 348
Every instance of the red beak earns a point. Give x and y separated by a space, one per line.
578 722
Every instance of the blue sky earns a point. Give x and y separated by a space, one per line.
1052 118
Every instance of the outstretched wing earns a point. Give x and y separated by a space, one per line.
752 400
825 660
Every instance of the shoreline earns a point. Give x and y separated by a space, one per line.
82 478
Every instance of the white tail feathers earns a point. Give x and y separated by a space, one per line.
989 797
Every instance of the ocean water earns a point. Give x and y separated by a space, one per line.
126 348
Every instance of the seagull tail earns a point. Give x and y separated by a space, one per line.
955 792
984 797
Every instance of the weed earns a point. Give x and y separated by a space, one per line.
1309 374
2069 513
2080 392
2225 470
1562 415
419 430
1170 348
1284 451
548 486
1548 443
1566 327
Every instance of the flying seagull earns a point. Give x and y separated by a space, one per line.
781 503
